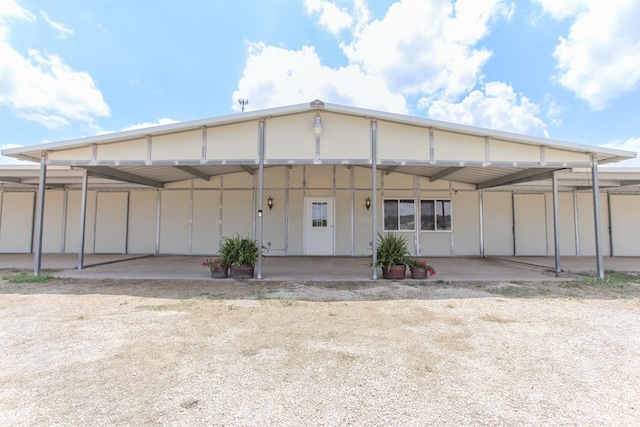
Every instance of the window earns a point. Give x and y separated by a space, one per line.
319 214
399 215
435 215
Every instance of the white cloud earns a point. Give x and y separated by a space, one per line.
332 17
631 144
10 8
63 31
274 76
498 107
42 87
600 58
420 48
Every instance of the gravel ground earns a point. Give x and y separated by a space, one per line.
376 353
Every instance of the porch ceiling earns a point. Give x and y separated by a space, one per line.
158 176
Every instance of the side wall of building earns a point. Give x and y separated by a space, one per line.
192 217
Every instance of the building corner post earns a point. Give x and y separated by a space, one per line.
596 215
83 218
374 197
556 223
40 214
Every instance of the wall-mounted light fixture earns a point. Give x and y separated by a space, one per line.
367 203
270 202
317 125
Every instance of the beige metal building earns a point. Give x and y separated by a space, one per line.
300 180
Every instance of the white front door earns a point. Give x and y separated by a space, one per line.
318 226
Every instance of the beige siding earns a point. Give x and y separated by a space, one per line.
587 229
135 149
206 222
345 138
296 220
53 221
625 210
402 142
363 224
465 223
435 243
504 151
72 238
398 181
290 138
564 156
273 236
458 147
143 209
16 228
320 176
177 146
237 213
566 227
530 225
111 222
233 142
82 153
174 222
343 223
498 223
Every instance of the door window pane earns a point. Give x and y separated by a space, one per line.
319 214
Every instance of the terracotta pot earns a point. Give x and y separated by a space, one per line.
219 274
242 271
419 273
394 272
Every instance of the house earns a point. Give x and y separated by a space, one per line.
300 179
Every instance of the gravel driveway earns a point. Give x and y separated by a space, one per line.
226 353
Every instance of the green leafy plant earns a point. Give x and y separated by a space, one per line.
392 249
239 250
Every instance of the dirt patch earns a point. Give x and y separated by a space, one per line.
106 352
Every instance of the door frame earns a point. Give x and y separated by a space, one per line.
307 217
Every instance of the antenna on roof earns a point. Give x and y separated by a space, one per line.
242 103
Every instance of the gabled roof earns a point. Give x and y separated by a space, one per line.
479 174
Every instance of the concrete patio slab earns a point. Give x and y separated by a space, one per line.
329 269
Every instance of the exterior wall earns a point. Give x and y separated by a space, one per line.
195 214
16 224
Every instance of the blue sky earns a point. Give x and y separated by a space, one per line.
567 70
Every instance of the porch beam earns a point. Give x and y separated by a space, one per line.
630 182
194 172
532 174
390 169
444 173
110 173
248 169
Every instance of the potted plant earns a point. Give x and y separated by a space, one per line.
218 268
392 254
240 254
420 269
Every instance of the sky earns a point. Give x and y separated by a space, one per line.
568 70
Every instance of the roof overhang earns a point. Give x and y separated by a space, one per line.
156 174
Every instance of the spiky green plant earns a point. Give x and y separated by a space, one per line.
392 249
239 250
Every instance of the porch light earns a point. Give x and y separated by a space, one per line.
270 202
367 203
317 125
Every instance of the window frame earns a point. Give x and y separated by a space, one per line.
435 201
398 201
